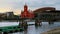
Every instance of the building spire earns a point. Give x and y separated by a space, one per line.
25 8
25 4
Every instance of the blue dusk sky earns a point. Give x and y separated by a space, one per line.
8 5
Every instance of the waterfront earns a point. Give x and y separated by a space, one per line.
32 29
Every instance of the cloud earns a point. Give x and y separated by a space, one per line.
33 4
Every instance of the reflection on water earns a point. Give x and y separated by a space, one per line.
32 29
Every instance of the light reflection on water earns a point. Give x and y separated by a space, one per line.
32 29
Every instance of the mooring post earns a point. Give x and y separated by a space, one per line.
38 22
24 24
20 24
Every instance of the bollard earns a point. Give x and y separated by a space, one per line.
24 24
38 23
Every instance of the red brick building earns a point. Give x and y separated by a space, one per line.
26 13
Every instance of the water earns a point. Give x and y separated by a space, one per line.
32 29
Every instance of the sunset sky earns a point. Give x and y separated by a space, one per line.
17 5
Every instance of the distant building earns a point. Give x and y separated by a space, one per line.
26 13
2 15
47 13
9 14
44 9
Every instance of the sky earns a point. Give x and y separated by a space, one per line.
17 5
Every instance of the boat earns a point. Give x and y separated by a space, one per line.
5 27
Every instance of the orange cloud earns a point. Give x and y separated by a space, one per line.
2 10
17 12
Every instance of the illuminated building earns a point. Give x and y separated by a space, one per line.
26 13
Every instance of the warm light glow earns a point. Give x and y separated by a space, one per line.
17 12
2 10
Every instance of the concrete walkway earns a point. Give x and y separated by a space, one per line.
53 31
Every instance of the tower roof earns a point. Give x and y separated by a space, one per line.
25 4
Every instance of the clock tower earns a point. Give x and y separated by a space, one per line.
25 8
26 13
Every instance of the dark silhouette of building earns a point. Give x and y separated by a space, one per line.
47 13
44 9
9 14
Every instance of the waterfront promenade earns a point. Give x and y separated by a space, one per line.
53 31
32 29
